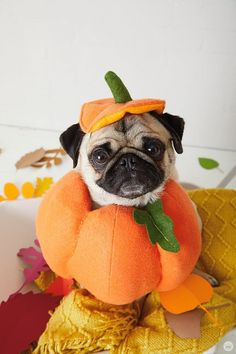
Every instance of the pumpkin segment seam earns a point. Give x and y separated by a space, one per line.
112 250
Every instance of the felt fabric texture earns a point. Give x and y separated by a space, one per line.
117 87
59 218
100 113
106 250
82 324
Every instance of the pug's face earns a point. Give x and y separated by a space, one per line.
127 162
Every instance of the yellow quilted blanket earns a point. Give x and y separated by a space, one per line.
82 324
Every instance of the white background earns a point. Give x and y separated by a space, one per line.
54 54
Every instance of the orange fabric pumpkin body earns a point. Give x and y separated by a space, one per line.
106 251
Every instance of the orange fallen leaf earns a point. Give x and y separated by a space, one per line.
11 191
190 294
27 190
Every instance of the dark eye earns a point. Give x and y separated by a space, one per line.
153 147
100 156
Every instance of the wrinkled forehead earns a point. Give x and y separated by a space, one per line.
130 129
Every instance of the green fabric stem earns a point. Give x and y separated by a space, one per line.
118 89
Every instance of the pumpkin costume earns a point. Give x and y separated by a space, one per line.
79 242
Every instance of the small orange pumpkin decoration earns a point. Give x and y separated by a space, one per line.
106 251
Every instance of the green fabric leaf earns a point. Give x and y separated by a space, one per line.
144 218
159 226
208 164
118 89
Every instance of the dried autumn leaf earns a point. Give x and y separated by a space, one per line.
11 191
56 151
187 324
42 185
37 165
45 158
48 165
30 158
57 161
27 190
63 152
52 151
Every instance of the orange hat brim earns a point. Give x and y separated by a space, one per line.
100 113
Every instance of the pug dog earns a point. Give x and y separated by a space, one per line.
128 162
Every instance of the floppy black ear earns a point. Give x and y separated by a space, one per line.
175 125
71 140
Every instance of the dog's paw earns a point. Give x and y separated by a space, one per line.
213 281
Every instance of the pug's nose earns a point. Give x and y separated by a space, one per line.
128 161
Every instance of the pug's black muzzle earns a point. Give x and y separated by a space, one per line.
131 177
